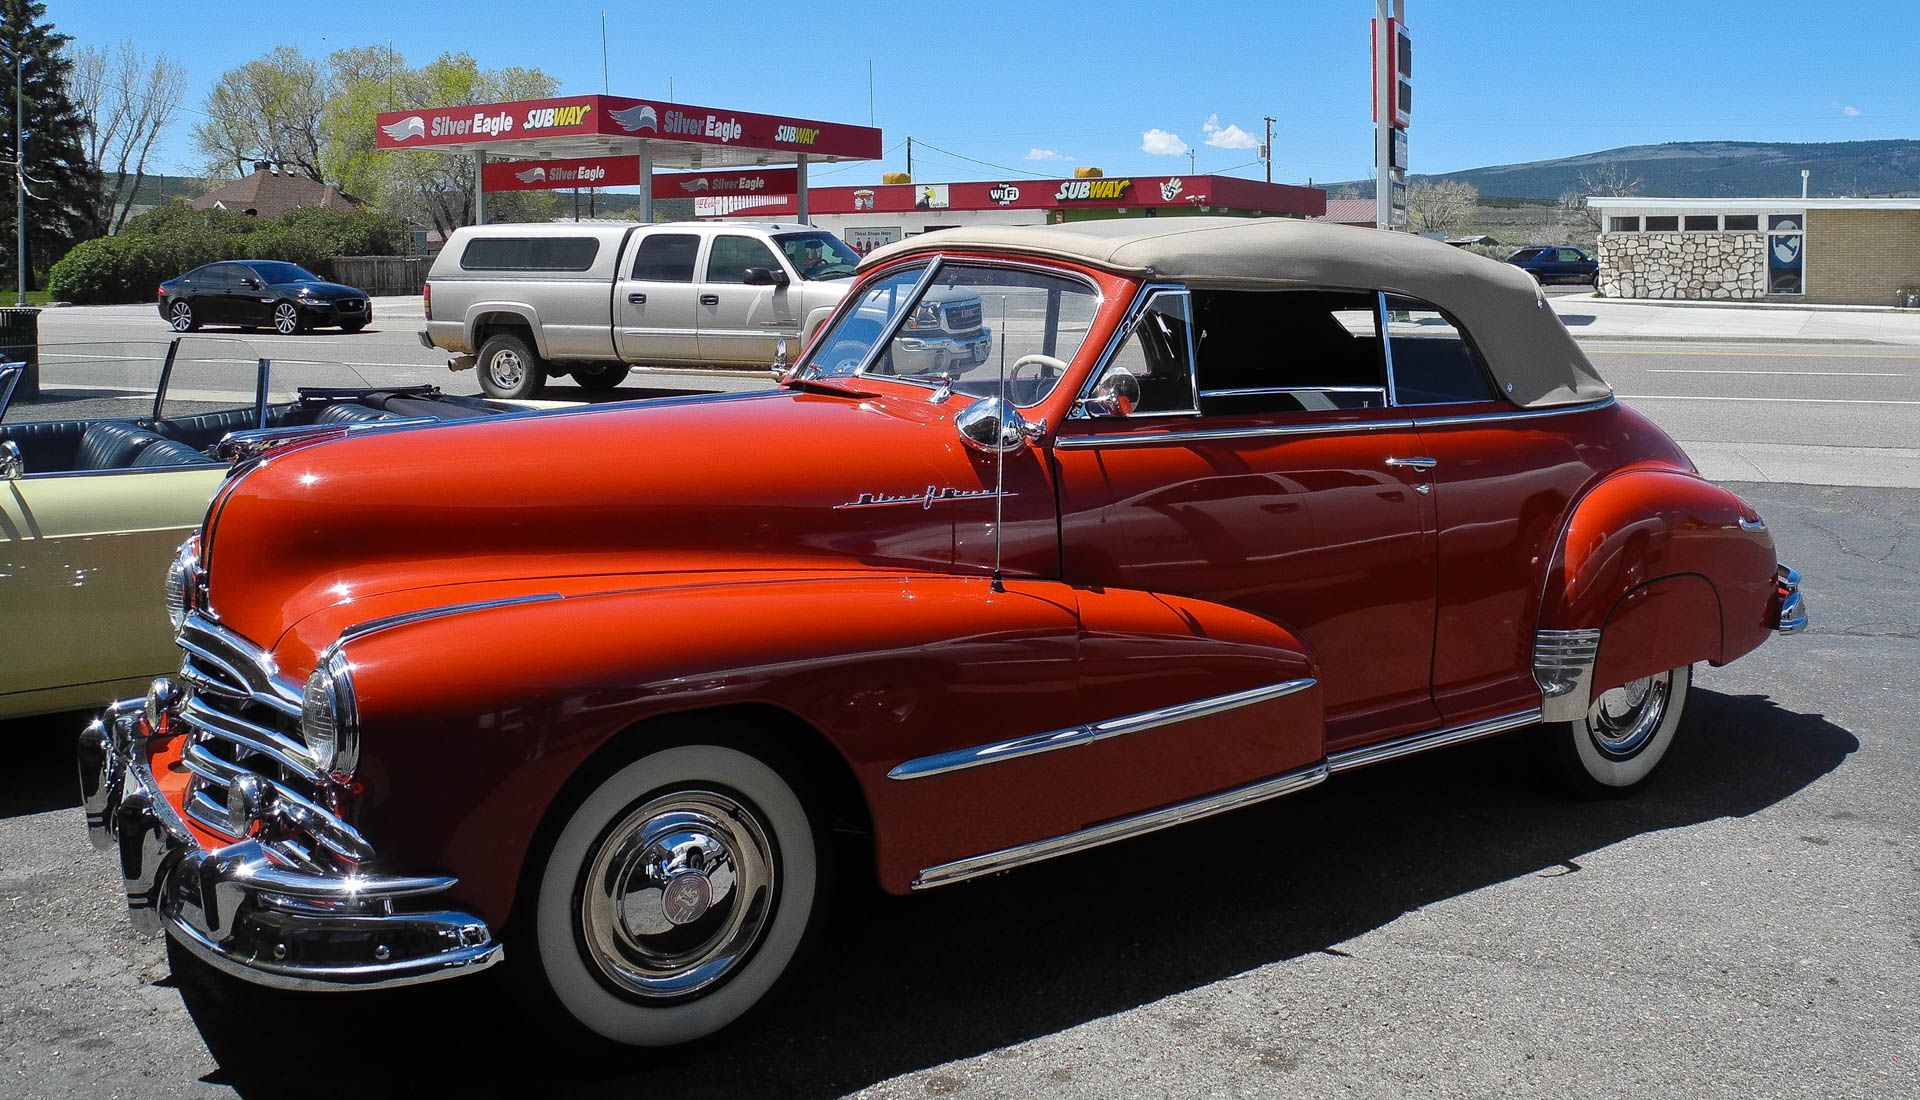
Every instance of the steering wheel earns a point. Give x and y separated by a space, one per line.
1037 360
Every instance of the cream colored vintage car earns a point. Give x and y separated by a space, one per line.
106 466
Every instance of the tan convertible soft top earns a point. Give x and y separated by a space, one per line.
1529 351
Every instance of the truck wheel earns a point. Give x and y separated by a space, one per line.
600 377
1625 735
674 897
509 368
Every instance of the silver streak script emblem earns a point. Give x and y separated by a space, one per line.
934 495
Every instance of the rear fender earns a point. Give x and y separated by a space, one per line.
1678 566
482 316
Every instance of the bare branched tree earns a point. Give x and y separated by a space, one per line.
1610 179
1440 206
268 109
127 100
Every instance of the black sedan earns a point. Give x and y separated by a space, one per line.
258 293
1560 264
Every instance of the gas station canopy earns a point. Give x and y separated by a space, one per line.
596 127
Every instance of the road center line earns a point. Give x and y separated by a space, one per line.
1786 400
1795 373
1750 354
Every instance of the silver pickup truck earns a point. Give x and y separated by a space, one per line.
527 302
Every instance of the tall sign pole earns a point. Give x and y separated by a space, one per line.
1392 95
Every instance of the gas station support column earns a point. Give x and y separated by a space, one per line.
646 184
480 188
800 186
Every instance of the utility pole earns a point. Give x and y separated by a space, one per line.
1193 162
1266 150
909 160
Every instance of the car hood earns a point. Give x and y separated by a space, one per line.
778 480
315 286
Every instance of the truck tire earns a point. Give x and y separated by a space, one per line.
509 368
600 377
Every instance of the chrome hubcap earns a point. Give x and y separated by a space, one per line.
507 370
678 894
285 319
1623 719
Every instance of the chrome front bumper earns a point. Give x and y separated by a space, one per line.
246 915
933 354
1793 605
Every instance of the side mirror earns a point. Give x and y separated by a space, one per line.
12 466
1116 394
992 424
781 363
764 276
252 284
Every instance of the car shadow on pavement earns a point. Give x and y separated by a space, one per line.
42 765
902 984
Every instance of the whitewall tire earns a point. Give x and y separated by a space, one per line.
676 895
1625 735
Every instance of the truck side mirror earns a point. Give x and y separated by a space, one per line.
764 276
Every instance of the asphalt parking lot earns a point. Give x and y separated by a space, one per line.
1446 925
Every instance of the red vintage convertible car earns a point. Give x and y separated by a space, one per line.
1231 507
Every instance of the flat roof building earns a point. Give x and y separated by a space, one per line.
1853 251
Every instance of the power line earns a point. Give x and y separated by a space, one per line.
986 163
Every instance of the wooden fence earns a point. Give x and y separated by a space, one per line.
382 274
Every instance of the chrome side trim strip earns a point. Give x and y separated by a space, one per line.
1432 739
961 759
371 625
1208 435
1008 858
1258 391
1523 414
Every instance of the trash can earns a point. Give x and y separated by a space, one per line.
20 343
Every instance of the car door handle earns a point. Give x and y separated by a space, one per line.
1413 463
709 299
637 299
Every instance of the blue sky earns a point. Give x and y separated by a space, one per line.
1006 82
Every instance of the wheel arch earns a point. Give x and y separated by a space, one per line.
484 319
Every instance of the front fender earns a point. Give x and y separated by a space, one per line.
473 722
1663 568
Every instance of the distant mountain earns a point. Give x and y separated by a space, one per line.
1710 169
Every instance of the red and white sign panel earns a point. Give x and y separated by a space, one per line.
615 116
749 181
1111 192
547 175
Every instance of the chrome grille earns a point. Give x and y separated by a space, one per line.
963 318
243 718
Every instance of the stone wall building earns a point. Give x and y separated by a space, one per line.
1855 251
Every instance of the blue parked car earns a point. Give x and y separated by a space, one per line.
1559 264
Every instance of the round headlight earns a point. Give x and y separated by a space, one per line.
181 580
330 717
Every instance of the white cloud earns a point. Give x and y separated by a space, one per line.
1046 154
1159 143
1228 137
1850 112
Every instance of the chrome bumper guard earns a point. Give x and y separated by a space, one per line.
235 908
1793 605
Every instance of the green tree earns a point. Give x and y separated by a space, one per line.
424 187
268 109
62 185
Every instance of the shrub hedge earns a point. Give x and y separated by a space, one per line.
175 238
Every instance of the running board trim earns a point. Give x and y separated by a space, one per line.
1432 739
1006 859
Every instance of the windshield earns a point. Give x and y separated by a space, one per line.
818 255
273 271
976 326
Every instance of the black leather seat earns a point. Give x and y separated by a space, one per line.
46 446
112 445
343 413
207 428
166 452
